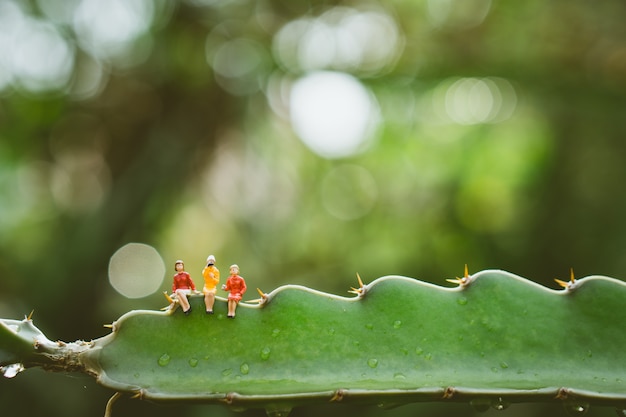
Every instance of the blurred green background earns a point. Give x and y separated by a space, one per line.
306 141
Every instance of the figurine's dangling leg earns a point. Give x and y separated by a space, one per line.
184 302
209 300
232 306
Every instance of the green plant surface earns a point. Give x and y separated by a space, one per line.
495 337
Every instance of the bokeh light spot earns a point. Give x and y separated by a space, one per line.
136 270
346 39
237 64
110 32
80 180
469 101
333 113
33 52
459 14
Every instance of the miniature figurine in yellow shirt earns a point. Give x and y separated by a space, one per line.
211 278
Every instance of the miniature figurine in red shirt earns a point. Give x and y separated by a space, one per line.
236 287
182 286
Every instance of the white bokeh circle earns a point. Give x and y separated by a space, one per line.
136 270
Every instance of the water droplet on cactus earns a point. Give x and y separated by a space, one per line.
265 353
164 360
244 368
387 405
576 409
275 332
372 363
500 404
278 411
399 376
10 371
461 301
481 404
369 326
397 324
193 362
227 372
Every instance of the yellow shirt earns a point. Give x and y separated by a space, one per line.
211 277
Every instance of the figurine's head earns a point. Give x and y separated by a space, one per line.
210 260
234 269
179 265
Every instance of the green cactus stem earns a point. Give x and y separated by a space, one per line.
495 338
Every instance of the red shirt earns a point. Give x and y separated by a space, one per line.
182 281
237 287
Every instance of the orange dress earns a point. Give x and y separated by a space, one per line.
211 278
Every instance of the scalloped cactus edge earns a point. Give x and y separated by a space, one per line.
495 338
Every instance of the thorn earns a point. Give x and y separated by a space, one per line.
570 284
337 395
461 281
261 300
108 326
30 316
562 394
449 393
562 283
229 398
108 411
167 297
358 277
358 291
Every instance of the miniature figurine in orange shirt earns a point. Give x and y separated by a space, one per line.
182 286
236 287
211 278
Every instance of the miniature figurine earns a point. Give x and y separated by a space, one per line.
211 278
182 286
236 286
